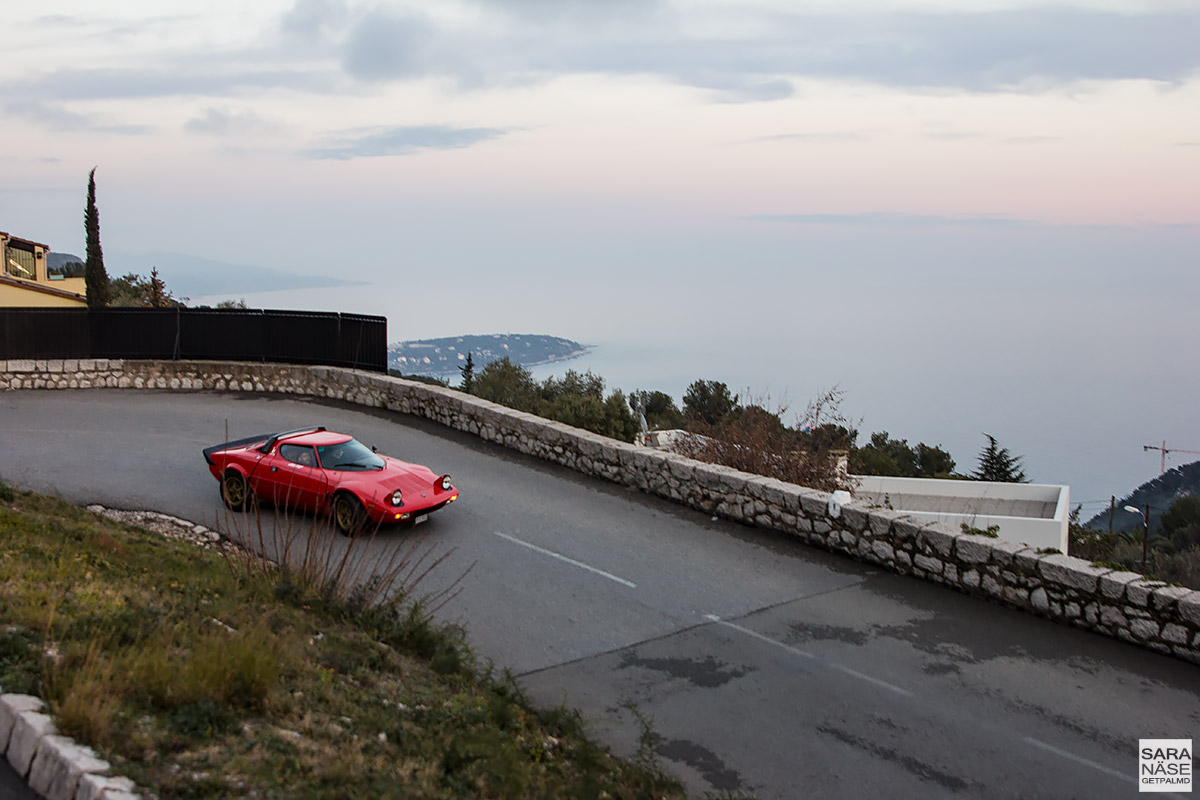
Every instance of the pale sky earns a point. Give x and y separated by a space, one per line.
902 171
683 114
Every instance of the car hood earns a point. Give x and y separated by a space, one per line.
419 484
395 469
396 474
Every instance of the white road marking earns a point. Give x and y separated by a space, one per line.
904 692
570 561
1049 748
803 654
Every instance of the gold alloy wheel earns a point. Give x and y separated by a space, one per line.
233 487
345 514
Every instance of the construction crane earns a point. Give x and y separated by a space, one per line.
1163 449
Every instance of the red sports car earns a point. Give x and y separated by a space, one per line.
321 471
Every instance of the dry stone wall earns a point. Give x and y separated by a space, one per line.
1111 602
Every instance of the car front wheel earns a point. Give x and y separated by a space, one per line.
348 514
234 491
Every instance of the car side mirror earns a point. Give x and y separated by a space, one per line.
374 449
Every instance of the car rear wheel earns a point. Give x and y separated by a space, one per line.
234 491
348 514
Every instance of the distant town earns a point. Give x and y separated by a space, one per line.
436 357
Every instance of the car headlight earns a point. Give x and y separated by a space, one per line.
397 498
445 482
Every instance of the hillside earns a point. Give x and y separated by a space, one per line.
444 356
1160 493
190 276
199 670
56 261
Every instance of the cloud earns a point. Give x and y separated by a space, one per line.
1031 139
54 117
814 137
755 91
310 18
1004 50
403 141
1028 50
200 78
590 10
876 219
740 53
219 122
383 46
955 136
60 119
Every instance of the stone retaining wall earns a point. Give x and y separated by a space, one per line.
55 766
1114 603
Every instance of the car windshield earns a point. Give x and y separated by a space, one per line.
348 455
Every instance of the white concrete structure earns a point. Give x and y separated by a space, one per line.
1027 513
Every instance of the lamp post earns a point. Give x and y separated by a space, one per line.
1145 530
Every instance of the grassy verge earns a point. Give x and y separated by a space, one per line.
198 675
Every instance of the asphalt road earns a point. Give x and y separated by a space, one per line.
11 785
759 666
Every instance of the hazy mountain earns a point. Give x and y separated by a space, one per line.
1160 493
192 276
445 356
56 260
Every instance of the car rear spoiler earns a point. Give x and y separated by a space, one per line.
270 439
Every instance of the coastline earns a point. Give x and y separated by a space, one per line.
587 349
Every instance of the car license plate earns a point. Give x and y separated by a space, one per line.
421 519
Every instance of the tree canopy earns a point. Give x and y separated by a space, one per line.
708 402
576 398
883 455
1181 522
135 291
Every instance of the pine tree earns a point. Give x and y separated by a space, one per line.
468 374
157 290
94 274
998 464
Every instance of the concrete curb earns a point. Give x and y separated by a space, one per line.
55 766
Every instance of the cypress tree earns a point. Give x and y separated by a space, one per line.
94 273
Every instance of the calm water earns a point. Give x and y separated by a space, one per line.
1075 396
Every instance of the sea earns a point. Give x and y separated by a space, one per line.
1076 400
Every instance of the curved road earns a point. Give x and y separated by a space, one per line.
762 666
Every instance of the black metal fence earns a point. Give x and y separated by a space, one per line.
294 337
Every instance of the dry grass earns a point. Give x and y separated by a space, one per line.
301 553
754 439
1124 551
203 675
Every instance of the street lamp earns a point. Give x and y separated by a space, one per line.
1145 530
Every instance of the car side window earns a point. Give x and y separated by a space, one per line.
298 454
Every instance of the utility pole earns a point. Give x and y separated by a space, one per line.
1146 538
1164 450
1145 531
